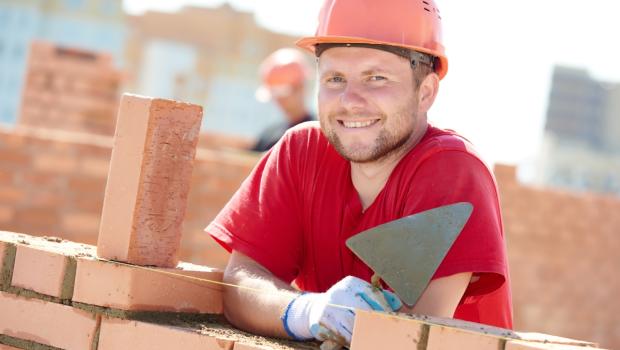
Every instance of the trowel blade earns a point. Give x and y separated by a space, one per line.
406 252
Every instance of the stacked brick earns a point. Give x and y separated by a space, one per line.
70 89
56 294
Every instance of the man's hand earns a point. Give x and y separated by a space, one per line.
328 315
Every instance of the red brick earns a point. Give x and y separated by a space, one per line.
148 183
14 158
448 338
46 323
521 345
135 288
534 337
243 346
118 334
95 167
374 330
7 213
87 185
54 163
40 270
10 194
40 220
81 222
6 178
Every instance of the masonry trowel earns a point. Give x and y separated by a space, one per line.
405 253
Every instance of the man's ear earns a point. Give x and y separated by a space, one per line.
427 92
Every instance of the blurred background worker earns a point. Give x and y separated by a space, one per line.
283 75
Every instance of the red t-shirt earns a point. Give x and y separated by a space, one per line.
297 208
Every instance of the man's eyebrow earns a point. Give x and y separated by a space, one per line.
330 72
376 70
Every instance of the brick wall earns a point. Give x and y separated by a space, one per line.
563 251
562 246
56 294
70 89
52 182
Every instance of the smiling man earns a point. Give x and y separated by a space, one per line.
374 158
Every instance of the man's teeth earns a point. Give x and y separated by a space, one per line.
358 124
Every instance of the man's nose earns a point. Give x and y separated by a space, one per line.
352 97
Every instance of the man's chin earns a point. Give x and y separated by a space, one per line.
357 156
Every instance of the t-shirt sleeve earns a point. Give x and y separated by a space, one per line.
261 219
452 176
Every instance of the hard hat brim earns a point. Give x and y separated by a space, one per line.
309 43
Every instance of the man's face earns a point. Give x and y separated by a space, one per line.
367 102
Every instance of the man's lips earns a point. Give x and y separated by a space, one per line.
352 124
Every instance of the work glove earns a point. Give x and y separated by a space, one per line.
317 315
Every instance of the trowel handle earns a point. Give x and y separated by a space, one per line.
375 280
330 345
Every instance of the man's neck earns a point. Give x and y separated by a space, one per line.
370 178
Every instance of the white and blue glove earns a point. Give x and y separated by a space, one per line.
312 315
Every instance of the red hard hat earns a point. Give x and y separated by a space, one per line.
280 71
410 24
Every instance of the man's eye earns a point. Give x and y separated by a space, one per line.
377 78
335 79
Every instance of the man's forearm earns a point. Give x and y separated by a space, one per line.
260 300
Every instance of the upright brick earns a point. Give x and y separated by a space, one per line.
46 323
148 182
136 288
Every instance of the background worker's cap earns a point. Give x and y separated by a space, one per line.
410 24
280 72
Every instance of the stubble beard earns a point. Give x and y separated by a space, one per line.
384 146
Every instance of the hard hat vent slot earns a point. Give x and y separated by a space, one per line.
427 9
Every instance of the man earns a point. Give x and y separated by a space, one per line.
374 159
283 74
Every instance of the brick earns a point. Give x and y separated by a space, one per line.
46 323
95 167
534 337
375 330
7 260
448 338
87 185
136 288
10 194
6 213
244 346
118 334
40 220
14 158
43 271
81 222
54 163
148 183
6 178
522 345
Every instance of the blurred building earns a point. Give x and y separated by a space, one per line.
581 145
70 89
88 24
207 56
